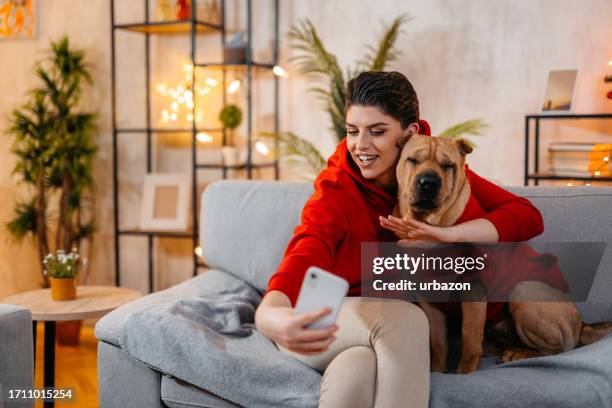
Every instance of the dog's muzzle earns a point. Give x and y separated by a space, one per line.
427 187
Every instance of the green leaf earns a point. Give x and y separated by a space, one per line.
299 151
378 58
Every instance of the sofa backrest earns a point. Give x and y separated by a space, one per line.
245 225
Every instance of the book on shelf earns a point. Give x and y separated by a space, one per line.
579 159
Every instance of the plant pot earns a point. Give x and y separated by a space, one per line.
230 155
67 333
63 289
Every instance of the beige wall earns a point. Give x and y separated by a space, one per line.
466 59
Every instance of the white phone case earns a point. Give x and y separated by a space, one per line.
321 289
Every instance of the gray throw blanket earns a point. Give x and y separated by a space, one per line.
209 341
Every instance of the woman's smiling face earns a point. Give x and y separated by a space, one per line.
371 138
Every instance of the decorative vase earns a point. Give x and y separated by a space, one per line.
183 10
230 155
63 289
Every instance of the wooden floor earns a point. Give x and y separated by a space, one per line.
75 367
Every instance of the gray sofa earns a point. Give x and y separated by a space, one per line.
245 227
16 353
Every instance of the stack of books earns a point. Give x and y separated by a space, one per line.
580 159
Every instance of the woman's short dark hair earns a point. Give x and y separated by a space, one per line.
391 92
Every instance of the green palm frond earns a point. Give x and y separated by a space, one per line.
299 151
315 59
24 221
378 58
471 127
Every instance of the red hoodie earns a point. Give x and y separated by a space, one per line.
344 209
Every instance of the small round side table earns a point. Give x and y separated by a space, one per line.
91 302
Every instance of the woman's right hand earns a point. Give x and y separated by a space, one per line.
281 325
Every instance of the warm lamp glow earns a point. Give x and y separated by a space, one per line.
210 82
279 71
262 148
234 86
204 137
198 251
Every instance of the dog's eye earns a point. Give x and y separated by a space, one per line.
413 161
448 167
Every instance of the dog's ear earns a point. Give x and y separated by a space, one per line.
403 140
465 147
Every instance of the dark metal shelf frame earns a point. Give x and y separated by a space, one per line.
192 27
536 175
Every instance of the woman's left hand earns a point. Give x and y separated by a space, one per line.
413 231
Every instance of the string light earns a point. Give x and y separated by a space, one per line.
198 251
279 71
211 82
262 148
234 86
204 137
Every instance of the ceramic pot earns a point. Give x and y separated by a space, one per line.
63 289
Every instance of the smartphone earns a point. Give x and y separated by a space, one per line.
321 289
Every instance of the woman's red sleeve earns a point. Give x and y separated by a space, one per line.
314 242
515 218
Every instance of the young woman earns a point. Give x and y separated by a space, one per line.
377 353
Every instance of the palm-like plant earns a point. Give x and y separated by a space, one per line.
320 65
54 147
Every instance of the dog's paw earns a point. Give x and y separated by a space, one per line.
515 354
468 365
438 366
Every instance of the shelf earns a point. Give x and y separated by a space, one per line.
170 27
569 116
166 130
221 65
234 167
165 234
545 176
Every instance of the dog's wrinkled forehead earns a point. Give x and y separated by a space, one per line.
427 148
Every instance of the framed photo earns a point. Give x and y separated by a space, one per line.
165 202
18 19
560 90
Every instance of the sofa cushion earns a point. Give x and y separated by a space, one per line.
16 356
246 225
208 282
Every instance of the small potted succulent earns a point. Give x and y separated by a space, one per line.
230 117
61 269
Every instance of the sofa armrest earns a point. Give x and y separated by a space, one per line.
16 351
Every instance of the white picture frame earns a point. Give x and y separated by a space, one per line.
165 202
560 91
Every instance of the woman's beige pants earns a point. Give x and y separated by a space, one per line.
380 357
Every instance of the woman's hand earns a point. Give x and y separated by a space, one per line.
281 325
412 231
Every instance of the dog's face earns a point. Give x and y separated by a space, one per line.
430 171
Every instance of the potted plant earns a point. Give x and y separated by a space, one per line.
230 117
62 269
316 63
53 141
